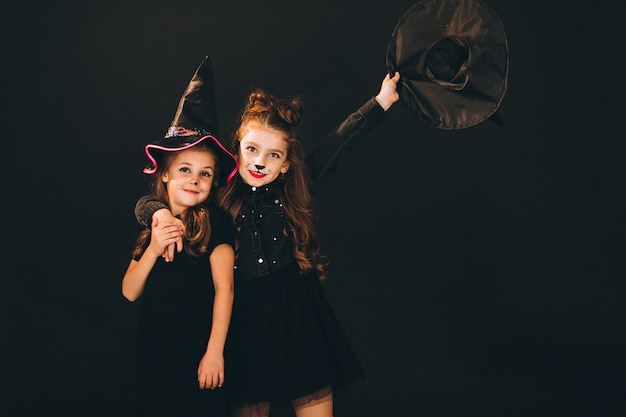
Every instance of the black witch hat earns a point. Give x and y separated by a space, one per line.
195 121
453 59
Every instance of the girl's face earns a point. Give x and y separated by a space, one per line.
262 155
189 178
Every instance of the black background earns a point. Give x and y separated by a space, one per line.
478 272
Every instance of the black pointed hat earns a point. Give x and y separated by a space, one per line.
453 59
195 121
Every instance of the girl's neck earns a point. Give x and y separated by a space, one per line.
176 210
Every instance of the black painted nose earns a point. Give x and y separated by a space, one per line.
259 167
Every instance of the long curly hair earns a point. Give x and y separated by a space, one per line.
267 111
195 219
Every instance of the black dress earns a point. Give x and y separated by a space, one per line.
286 341
174 328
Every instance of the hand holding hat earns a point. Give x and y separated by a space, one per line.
388 93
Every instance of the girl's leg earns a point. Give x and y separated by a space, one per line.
252 410
317 404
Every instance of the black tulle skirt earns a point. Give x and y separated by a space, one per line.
285 341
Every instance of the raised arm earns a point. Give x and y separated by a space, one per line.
349 133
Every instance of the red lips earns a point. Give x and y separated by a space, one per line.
256 174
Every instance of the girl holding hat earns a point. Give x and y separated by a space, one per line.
285 341
186 305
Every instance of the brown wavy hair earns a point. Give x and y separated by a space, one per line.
267 111
195 219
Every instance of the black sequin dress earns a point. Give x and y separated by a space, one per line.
286 341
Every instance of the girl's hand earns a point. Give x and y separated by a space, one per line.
211 370
163 236
388 91
164 216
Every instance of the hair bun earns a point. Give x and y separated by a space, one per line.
267 109
259 102
291 112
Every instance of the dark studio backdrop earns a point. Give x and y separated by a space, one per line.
478 272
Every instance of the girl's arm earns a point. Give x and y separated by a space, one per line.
151 211
137 273
211 367
147 206
349 133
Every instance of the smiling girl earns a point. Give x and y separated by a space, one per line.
186 305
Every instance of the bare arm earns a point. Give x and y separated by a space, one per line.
137 273
211 367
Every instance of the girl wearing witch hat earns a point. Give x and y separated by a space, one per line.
186 304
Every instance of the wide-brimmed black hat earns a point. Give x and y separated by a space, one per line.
195 121
453 59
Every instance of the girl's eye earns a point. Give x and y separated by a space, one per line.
275 155
207 174
250 149
185 169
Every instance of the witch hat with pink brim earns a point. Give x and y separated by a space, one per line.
195 121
